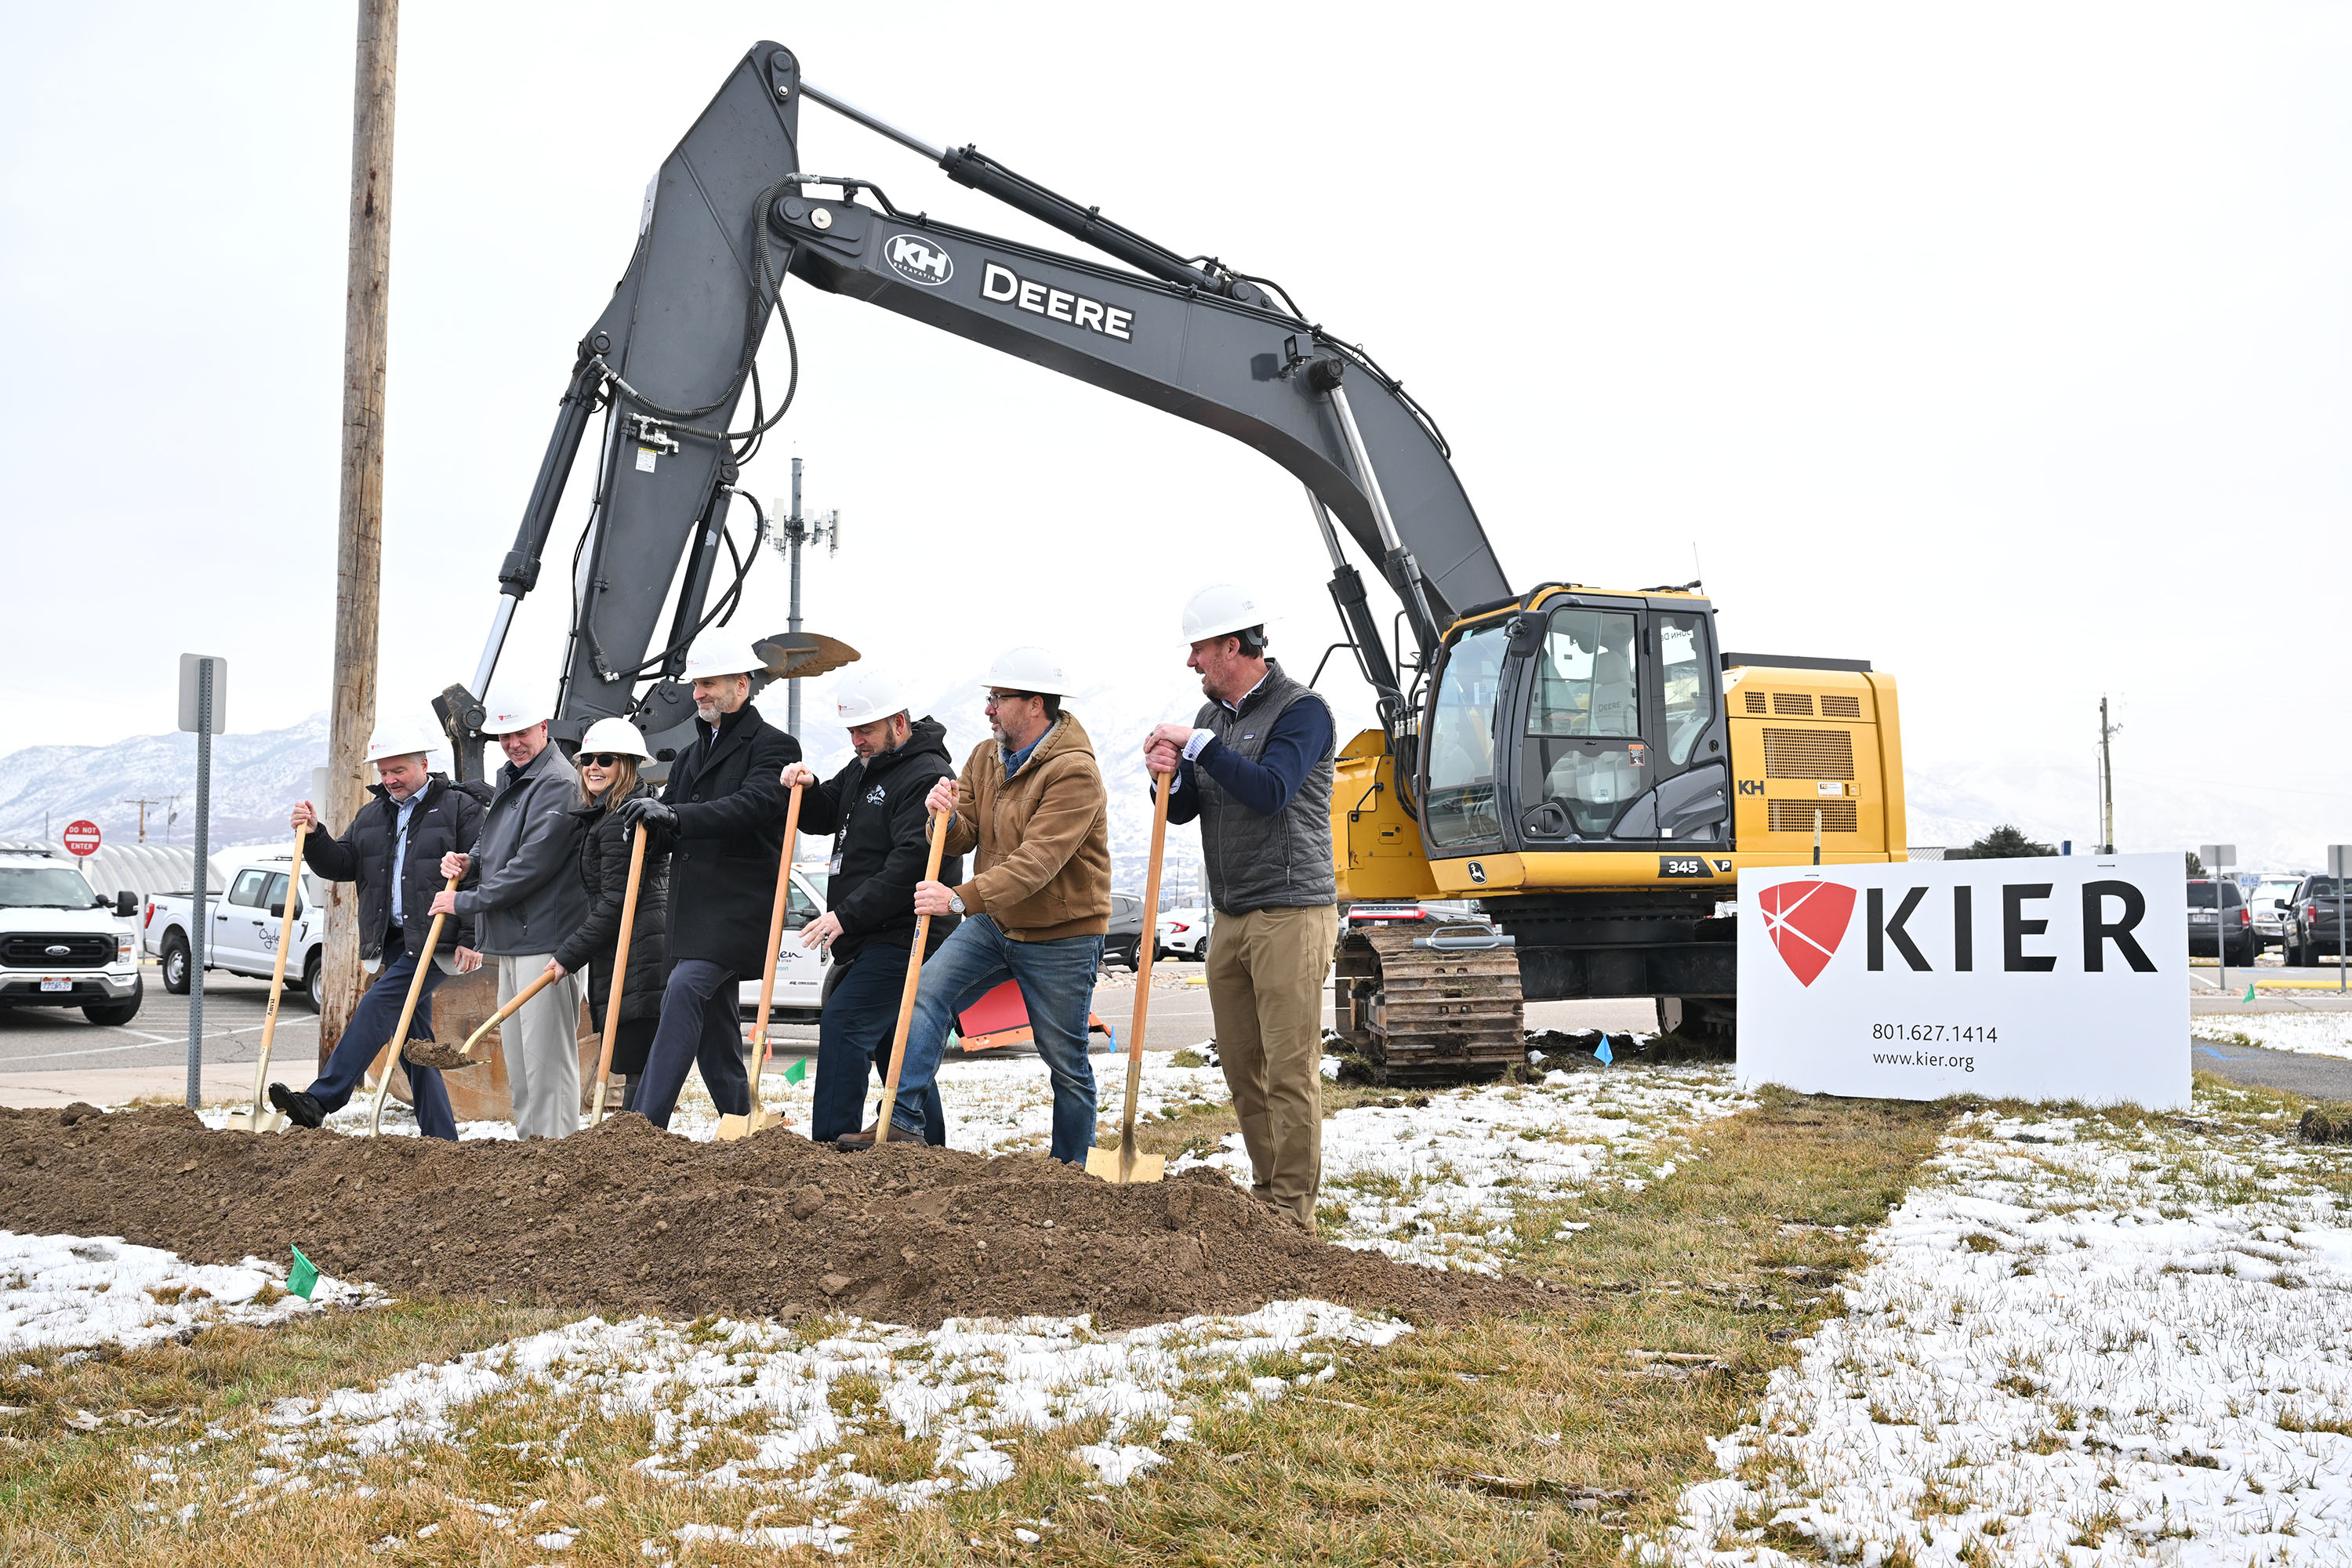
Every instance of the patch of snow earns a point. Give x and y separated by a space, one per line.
2310 1034
75 1291
2083 1343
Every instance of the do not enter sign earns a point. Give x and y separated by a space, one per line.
83 837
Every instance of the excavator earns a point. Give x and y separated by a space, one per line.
1586 766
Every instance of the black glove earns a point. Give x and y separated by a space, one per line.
649 813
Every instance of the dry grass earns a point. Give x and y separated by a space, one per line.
1501 1441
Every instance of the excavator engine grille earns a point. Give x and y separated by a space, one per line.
1808 754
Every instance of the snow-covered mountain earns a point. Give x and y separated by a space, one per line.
255 778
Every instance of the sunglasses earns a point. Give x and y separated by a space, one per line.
604 759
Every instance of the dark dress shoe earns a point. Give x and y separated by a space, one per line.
302 1110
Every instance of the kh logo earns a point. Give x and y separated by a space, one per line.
917 260
1805 921
1751 787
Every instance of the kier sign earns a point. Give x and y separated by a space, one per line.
2058 978
82 837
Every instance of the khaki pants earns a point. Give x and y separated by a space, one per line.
1266 971
542 1047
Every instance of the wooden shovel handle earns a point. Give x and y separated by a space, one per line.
278 973
775 942
620 970
914 975
408 1011
540 983
1162 787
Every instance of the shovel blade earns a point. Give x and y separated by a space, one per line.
733 1127
438 1055
1113 1166
251 1121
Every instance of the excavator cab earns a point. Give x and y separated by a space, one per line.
1584 721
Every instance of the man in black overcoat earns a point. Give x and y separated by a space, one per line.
724 814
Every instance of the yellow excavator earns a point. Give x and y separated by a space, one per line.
1583 765
1594 774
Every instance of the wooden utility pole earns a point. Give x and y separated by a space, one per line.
358 532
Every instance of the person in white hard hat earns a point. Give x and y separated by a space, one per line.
610 755
874 808
1031 809
722 813
1253 768
524 896
393 849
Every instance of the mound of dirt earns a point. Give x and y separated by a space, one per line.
629 1218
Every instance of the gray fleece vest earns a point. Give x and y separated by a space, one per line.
1279 862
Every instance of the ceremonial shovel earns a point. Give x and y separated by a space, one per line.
260 1118
450 1058
620 970
914 974
1123 1165
397 1046
732 1126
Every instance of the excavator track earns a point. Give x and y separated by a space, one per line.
1426 1013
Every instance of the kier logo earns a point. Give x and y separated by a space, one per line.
1805 921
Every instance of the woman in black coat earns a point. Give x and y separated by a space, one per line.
609 756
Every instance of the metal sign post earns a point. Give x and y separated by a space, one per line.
2219 857
204 702
2340 865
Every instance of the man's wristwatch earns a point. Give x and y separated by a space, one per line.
955 902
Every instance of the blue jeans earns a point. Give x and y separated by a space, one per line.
371 1024
1057 985
861 1014
699 1027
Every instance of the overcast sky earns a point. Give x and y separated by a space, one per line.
2005 346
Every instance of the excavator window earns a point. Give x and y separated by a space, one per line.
1688 677
1458 804
1587 696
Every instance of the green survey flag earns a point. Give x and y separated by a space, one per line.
797 1071
304 1278
2250 992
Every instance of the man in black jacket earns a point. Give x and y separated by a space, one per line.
874 808
393 849
723 813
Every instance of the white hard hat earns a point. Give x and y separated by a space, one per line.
399 739
509 714
865 695
615 735
1220 610
1037 670
721 653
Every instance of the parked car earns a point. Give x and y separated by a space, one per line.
2314 934
800 971
2228 930
1124 944
63 943
2269 897
242 925
1184 934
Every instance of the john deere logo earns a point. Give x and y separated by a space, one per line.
917 260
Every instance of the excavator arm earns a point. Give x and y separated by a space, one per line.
672 358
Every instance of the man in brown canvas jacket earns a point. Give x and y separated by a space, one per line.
1030 808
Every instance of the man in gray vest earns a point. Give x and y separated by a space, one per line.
526 900
1254 768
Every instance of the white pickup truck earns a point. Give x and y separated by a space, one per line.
63 943
245 923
